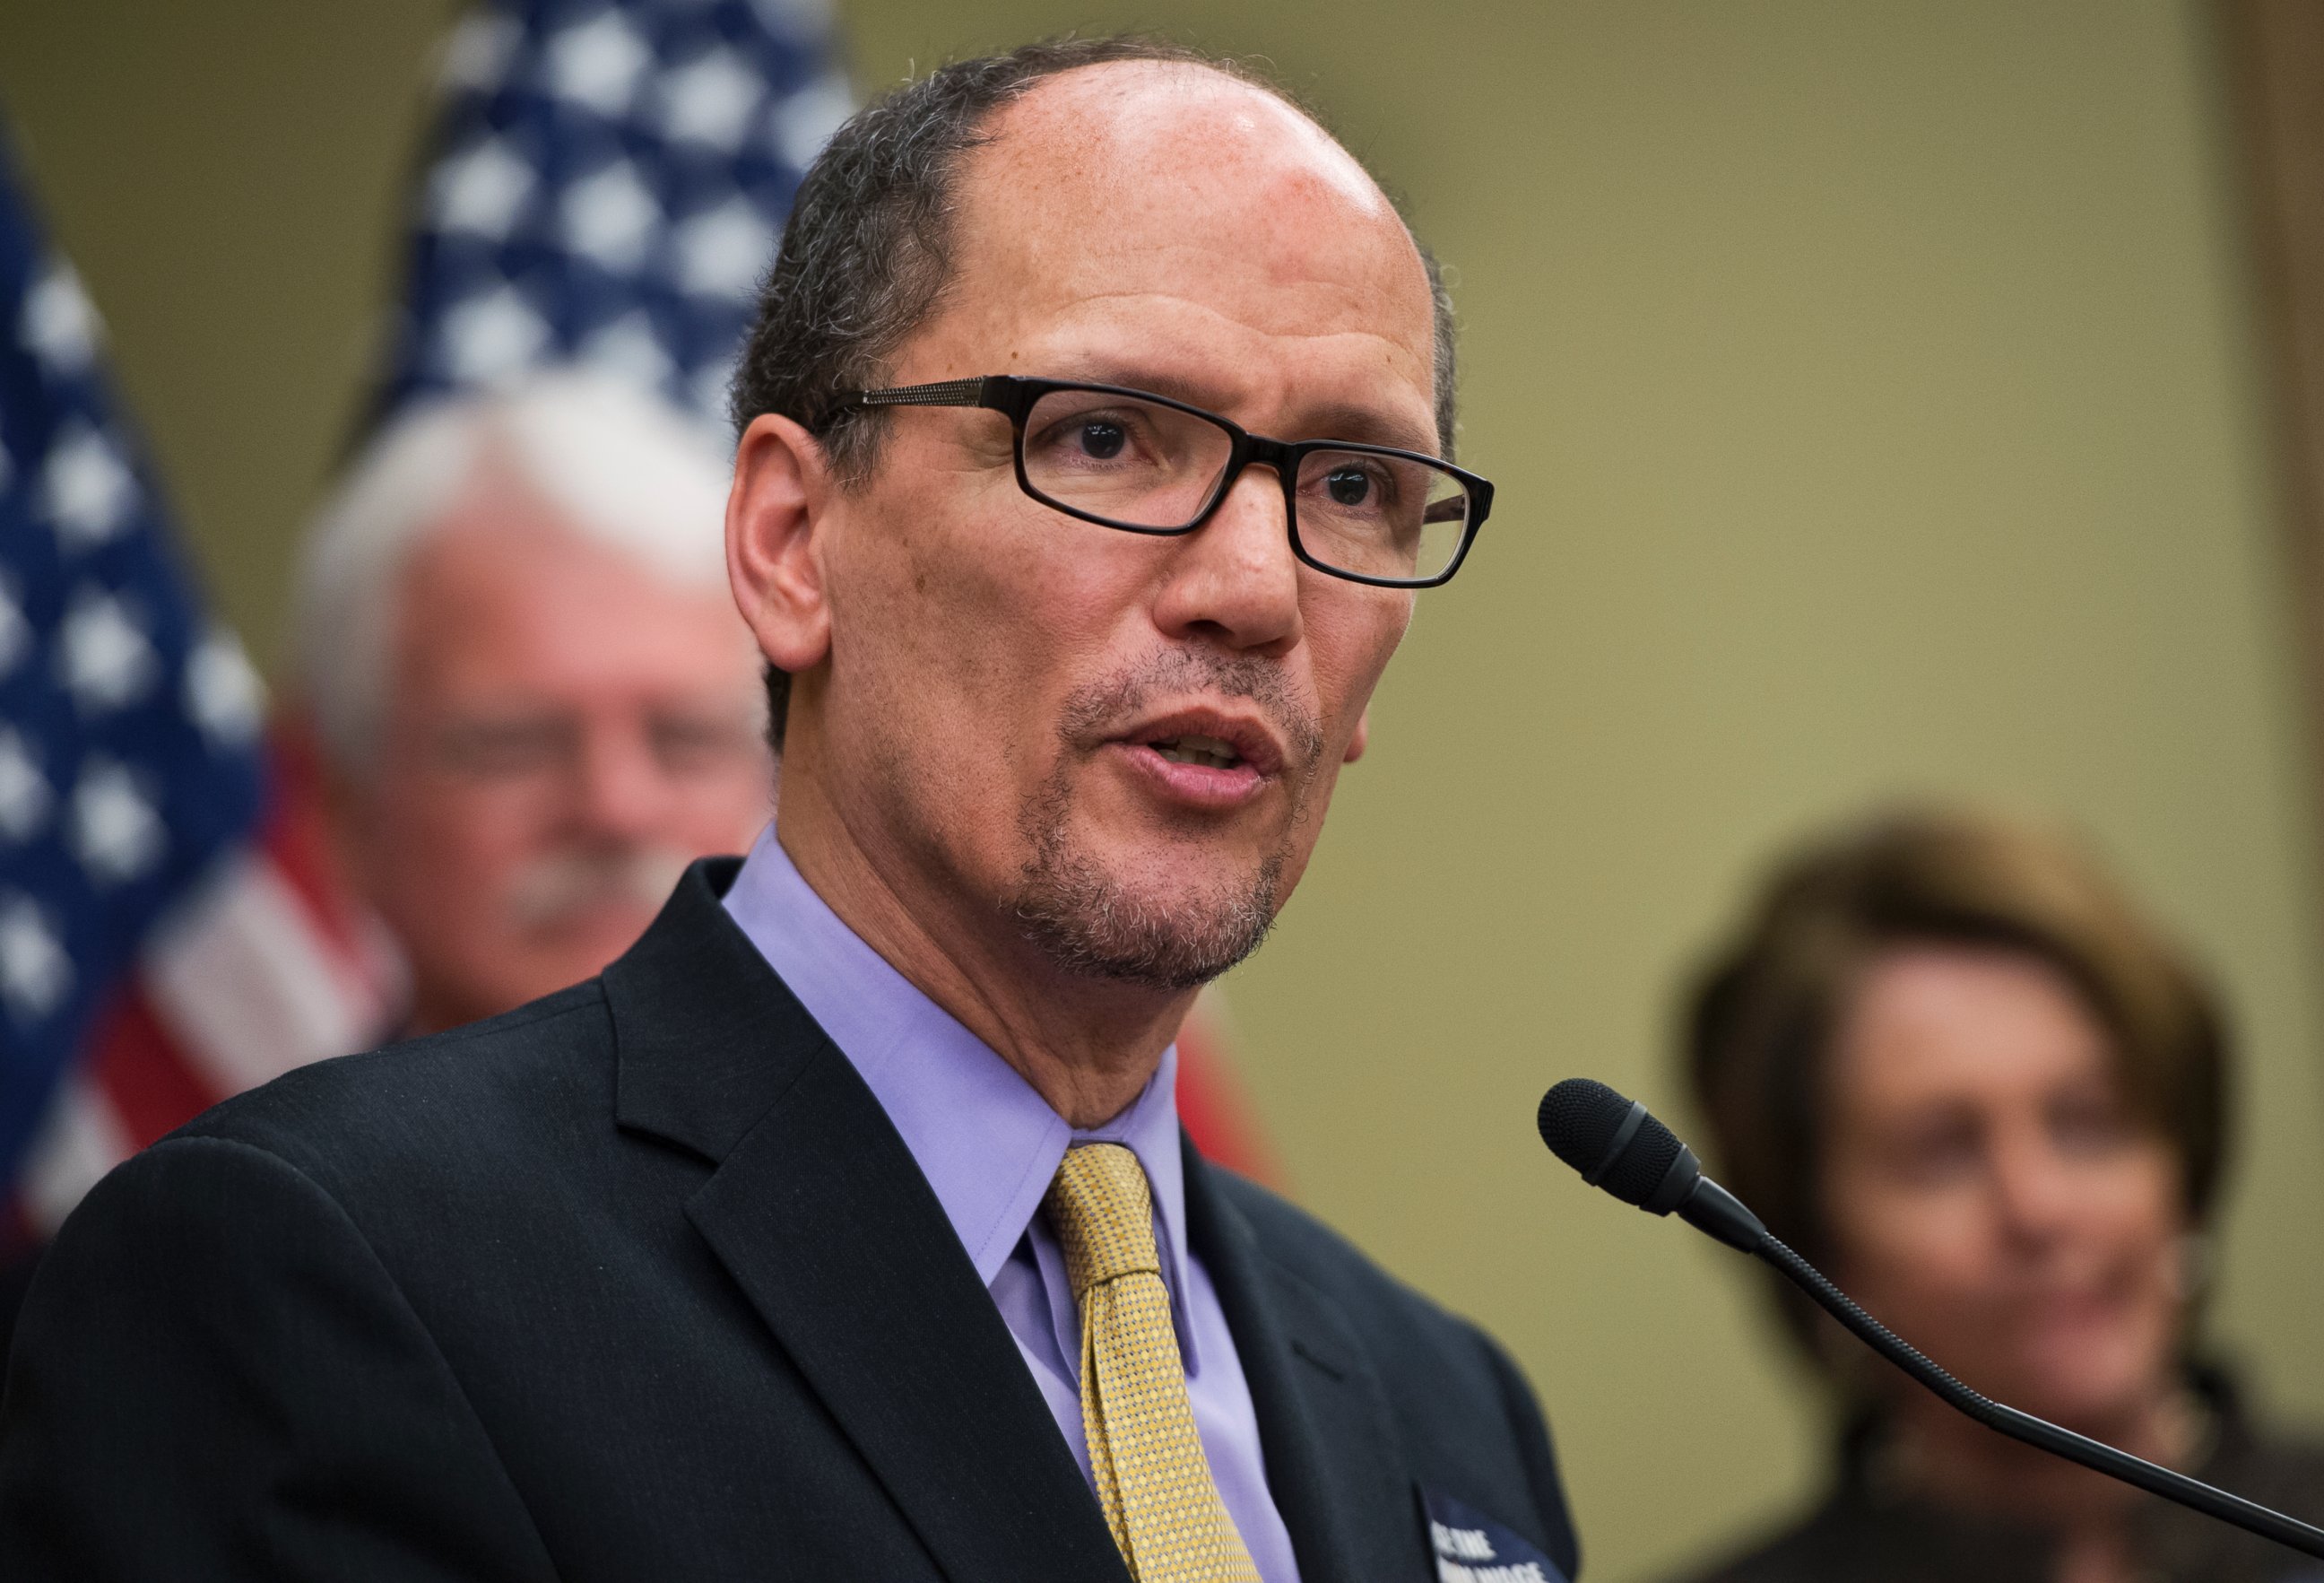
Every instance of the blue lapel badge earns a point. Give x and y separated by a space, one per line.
1472 1548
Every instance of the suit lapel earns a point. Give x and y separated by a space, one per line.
1324 1423
819 1212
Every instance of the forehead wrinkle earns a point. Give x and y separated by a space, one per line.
1292 256
1293 332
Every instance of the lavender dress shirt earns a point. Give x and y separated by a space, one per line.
989 1145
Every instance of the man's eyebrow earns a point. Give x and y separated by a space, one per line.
1192 389
1367 426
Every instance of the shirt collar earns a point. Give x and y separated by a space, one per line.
988 1143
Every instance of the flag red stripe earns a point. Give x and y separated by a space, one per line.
294 838
142 1072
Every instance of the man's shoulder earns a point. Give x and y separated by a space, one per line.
475 1092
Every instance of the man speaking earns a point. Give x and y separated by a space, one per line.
1091 448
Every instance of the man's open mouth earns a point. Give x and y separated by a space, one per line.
1211 751
1221 749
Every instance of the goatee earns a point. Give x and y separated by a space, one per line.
1093 924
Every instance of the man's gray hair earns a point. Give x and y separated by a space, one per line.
867 252
617 466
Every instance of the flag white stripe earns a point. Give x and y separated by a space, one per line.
249 986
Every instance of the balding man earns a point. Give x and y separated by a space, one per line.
517 648
843 1229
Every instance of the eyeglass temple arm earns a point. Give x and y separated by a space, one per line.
946 393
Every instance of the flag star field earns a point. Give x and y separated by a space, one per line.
129 752
610 186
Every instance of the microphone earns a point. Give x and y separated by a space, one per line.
1616 1145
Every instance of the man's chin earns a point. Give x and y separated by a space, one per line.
499 977
1169 933
583 943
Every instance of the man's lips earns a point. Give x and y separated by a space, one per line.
1209 757
1218 737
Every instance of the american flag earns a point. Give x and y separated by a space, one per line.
157 945
609 184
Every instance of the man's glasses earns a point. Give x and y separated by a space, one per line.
1145 463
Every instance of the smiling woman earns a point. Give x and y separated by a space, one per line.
1948 1057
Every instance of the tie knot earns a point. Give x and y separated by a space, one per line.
1103 1216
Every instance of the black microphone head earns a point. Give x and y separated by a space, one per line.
1579 1118
1585 1123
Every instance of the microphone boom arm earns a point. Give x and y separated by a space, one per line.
2152 1478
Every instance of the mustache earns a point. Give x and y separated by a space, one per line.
1092 708
551 890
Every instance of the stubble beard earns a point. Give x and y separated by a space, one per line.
1088 921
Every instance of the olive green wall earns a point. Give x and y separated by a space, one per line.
1870 393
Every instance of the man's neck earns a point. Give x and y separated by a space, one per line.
1088 1047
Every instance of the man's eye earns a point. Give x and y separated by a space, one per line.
502 750
1348 486
695 745
1111 434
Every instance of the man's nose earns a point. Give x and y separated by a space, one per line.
1235 579
619 792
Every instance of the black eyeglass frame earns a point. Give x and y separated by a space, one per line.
1014 395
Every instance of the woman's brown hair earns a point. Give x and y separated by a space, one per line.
1762 1016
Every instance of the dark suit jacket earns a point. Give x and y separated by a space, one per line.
638 1282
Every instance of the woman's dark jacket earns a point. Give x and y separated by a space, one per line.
1867 1530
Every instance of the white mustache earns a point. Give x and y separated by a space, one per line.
550 890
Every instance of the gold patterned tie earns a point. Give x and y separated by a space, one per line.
1152 1478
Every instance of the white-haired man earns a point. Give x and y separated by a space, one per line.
535 701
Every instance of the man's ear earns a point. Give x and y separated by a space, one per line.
774 541
1361 738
